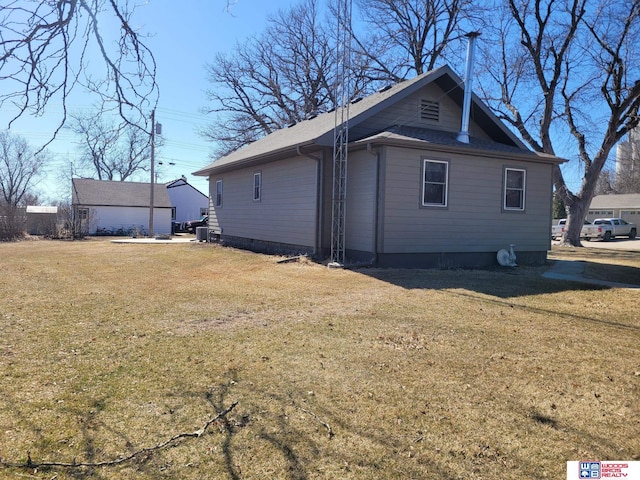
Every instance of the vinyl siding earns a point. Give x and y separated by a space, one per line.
286 212
125 218
361 196
407 112
474 219
187 201
214 224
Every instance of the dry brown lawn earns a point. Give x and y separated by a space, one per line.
107 349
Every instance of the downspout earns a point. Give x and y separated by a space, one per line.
376 205
319 203
463 136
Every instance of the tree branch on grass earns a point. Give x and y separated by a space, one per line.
118 461
330 433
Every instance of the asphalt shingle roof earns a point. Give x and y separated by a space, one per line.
444 138
118 194
318 131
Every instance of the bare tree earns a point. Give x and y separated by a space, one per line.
274 79
556 64
403 38
110 151
45 52
19 168
287 73
75 222
606 183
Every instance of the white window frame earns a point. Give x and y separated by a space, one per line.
257 186
522 190
445 184
219 193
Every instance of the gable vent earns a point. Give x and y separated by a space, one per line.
429 110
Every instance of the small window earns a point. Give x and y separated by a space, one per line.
429 110
83 214
204 211
514 188
434 185
219 193
257 186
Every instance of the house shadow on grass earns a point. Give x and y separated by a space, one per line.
502 282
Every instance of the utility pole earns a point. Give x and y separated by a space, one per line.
153 161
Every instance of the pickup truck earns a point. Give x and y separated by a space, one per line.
615 227
587 232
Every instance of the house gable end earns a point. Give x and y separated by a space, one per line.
428 108
376 113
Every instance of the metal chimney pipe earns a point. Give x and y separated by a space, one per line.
463 136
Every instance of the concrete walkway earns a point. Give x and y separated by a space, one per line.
573 270
156 241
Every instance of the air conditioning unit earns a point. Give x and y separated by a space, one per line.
202 233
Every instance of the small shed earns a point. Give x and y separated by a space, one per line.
41 220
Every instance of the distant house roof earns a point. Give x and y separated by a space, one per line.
178 182
105 193
318 131
182 182
625 200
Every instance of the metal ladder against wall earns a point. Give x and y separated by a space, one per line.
341 134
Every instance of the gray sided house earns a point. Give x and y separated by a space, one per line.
416 196
120 208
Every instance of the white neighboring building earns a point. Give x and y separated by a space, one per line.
188 202
120 208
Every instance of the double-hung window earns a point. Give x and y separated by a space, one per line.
257 186
515 180
219 193
435 183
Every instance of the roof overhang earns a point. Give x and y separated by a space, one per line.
300 149
396 140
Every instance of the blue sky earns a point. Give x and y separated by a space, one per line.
185 36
